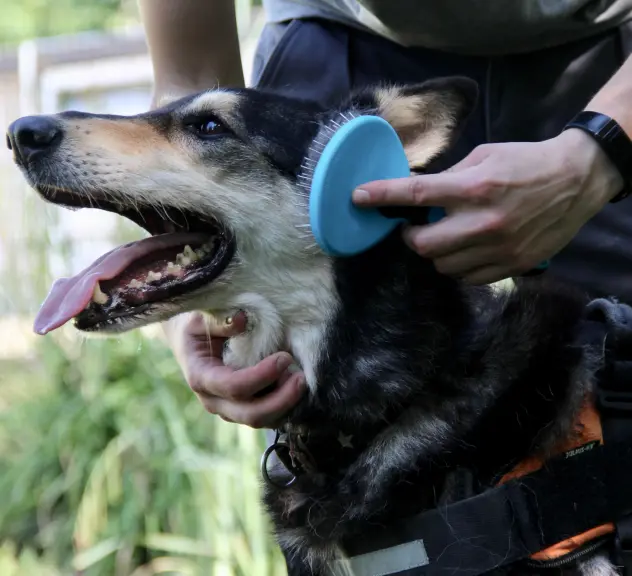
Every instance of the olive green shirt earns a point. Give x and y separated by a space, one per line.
478 27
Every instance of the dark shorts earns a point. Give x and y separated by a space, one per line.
523 98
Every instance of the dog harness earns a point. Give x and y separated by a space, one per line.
546 514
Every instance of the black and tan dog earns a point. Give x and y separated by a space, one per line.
411 375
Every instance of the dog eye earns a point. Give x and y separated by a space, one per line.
207 127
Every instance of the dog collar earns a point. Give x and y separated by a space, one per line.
304 450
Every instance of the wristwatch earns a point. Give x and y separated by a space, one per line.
613 140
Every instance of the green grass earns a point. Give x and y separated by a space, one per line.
109 466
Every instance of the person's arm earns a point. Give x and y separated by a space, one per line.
615 98
512 205
193 45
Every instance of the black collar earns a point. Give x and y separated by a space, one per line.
327 449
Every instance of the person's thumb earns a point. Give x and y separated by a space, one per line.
210 326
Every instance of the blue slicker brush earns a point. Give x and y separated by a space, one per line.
364 149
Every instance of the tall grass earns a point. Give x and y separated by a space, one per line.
109 466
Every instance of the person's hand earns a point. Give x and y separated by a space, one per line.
508 206
239 396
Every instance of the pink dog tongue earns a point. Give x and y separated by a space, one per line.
69 296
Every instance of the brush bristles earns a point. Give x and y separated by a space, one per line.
326 131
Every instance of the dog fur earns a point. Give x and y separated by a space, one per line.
419 373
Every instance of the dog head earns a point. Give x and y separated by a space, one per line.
215 178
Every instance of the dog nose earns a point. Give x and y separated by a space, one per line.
32 135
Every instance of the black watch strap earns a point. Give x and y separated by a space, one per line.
613 140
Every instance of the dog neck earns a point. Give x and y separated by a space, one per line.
408 336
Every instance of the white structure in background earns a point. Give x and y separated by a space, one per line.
92 72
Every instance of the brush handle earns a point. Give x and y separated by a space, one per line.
420 215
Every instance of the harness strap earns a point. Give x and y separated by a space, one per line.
614 401
511 522
586 431
585 491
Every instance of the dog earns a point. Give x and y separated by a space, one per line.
411 374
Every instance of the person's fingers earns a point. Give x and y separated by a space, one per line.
463 262
204 327
453 233
488 275
264 411
210 377
217 347
205 337
233 325
439 190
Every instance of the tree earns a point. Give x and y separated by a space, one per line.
22 19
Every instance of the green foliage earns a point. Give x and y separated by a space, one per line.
22 19
109 466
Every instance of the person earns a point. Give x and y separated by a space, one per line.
520 189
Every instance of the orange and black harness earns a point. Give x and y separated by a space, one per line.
547 514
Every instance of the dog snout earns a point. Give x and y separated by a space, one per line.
33 135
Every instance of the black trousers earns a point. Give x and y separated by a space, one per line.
526 97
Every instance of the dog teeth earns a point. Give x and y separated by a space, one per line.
153 276
135 284
205 249
187 256
173 269
183 260
190 253
98 295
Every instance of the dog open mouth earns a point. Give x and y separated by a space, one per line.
183 253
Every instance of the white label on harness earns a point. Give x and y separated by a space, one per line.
383 562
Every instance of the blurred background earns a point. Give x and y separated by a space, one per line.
109 465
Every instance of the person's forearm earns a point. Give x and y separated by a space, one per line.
193 45
615 98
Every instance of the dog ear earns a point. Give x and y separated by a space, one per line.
428 117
